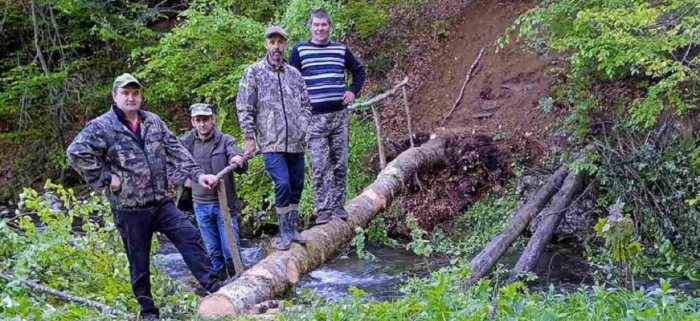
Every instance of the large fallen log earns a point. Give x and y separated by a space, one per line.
273 275
481 264
550 220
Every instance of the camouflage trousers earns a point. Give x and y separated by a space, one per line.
328 147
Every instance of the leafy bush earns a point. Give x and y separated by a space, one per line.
86 260
614 39
203 60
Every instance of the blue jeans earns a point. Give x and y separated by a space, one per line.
287 171
211 225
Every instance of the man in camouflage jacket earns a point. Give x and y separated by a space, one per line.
273 104
133 155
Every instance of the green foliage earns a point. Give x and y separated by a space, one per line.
204 59
618 230
86 260
479 223
358 241
615 39
418 244
441 297
545 104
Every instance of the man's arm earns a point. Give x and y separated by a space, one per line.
232 151
294 58
246 103
86 155
356 69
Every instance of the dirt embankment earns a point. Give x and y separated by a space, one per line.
498 114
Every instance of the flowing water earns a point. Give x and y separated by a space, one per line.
381 278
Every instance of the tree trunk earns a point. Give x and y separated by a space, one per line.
550 220
273 275
500 243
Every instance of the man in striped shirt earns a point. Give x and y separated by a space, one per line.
322 63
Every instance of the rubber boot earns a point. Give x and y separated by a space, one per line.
285 237
294 228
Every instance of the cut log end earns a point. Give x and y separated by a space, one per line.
216 305
292 272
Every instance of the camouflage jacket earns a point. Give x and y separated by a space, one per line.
274 104
106 146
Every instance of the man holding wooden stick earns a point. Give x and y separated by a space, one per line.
273 104
214 150
133 156
323 62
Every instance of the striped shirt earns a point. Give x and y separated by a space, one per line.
323 68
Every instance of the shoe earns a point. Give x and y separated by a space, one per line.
294 228
150 317
340 213
285 237
324 216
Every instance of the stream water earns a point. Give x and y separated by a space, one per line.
382 277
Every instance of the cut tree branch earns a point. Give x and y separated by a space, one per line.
106 310
466 80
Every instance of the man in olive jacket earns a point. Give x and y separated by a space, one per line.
273 104
133 155
213 150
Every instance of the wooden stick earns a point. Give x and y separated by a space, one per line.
466 80
408 115
380 97
380 145
65 296
228 227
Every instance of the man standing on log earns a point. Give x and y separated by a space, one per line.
272 102
213 150
323 62
133 155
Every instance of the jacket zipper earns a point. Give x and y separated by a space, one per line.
142 145
284 109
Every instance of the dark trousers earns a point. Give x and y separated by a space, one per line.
287 171
137 226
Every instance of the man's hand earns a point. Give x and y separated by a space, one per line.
348 98
249 147
208 181
188 183
115 185
238 159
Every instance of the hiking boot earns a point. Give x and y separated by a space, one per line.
323 217
294 228
285 236
340 213
230 271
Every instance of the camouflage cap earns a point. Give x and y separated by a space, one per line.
275 30
125 79
201 110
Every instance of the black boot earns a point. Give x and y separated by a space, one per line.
341 213
323 217
294 228
285 237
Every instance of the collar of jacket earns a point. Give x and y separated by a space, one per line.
216 135
120 117
273 68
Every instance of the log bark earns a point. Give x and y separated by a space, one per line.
274 274
481 264
551 217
